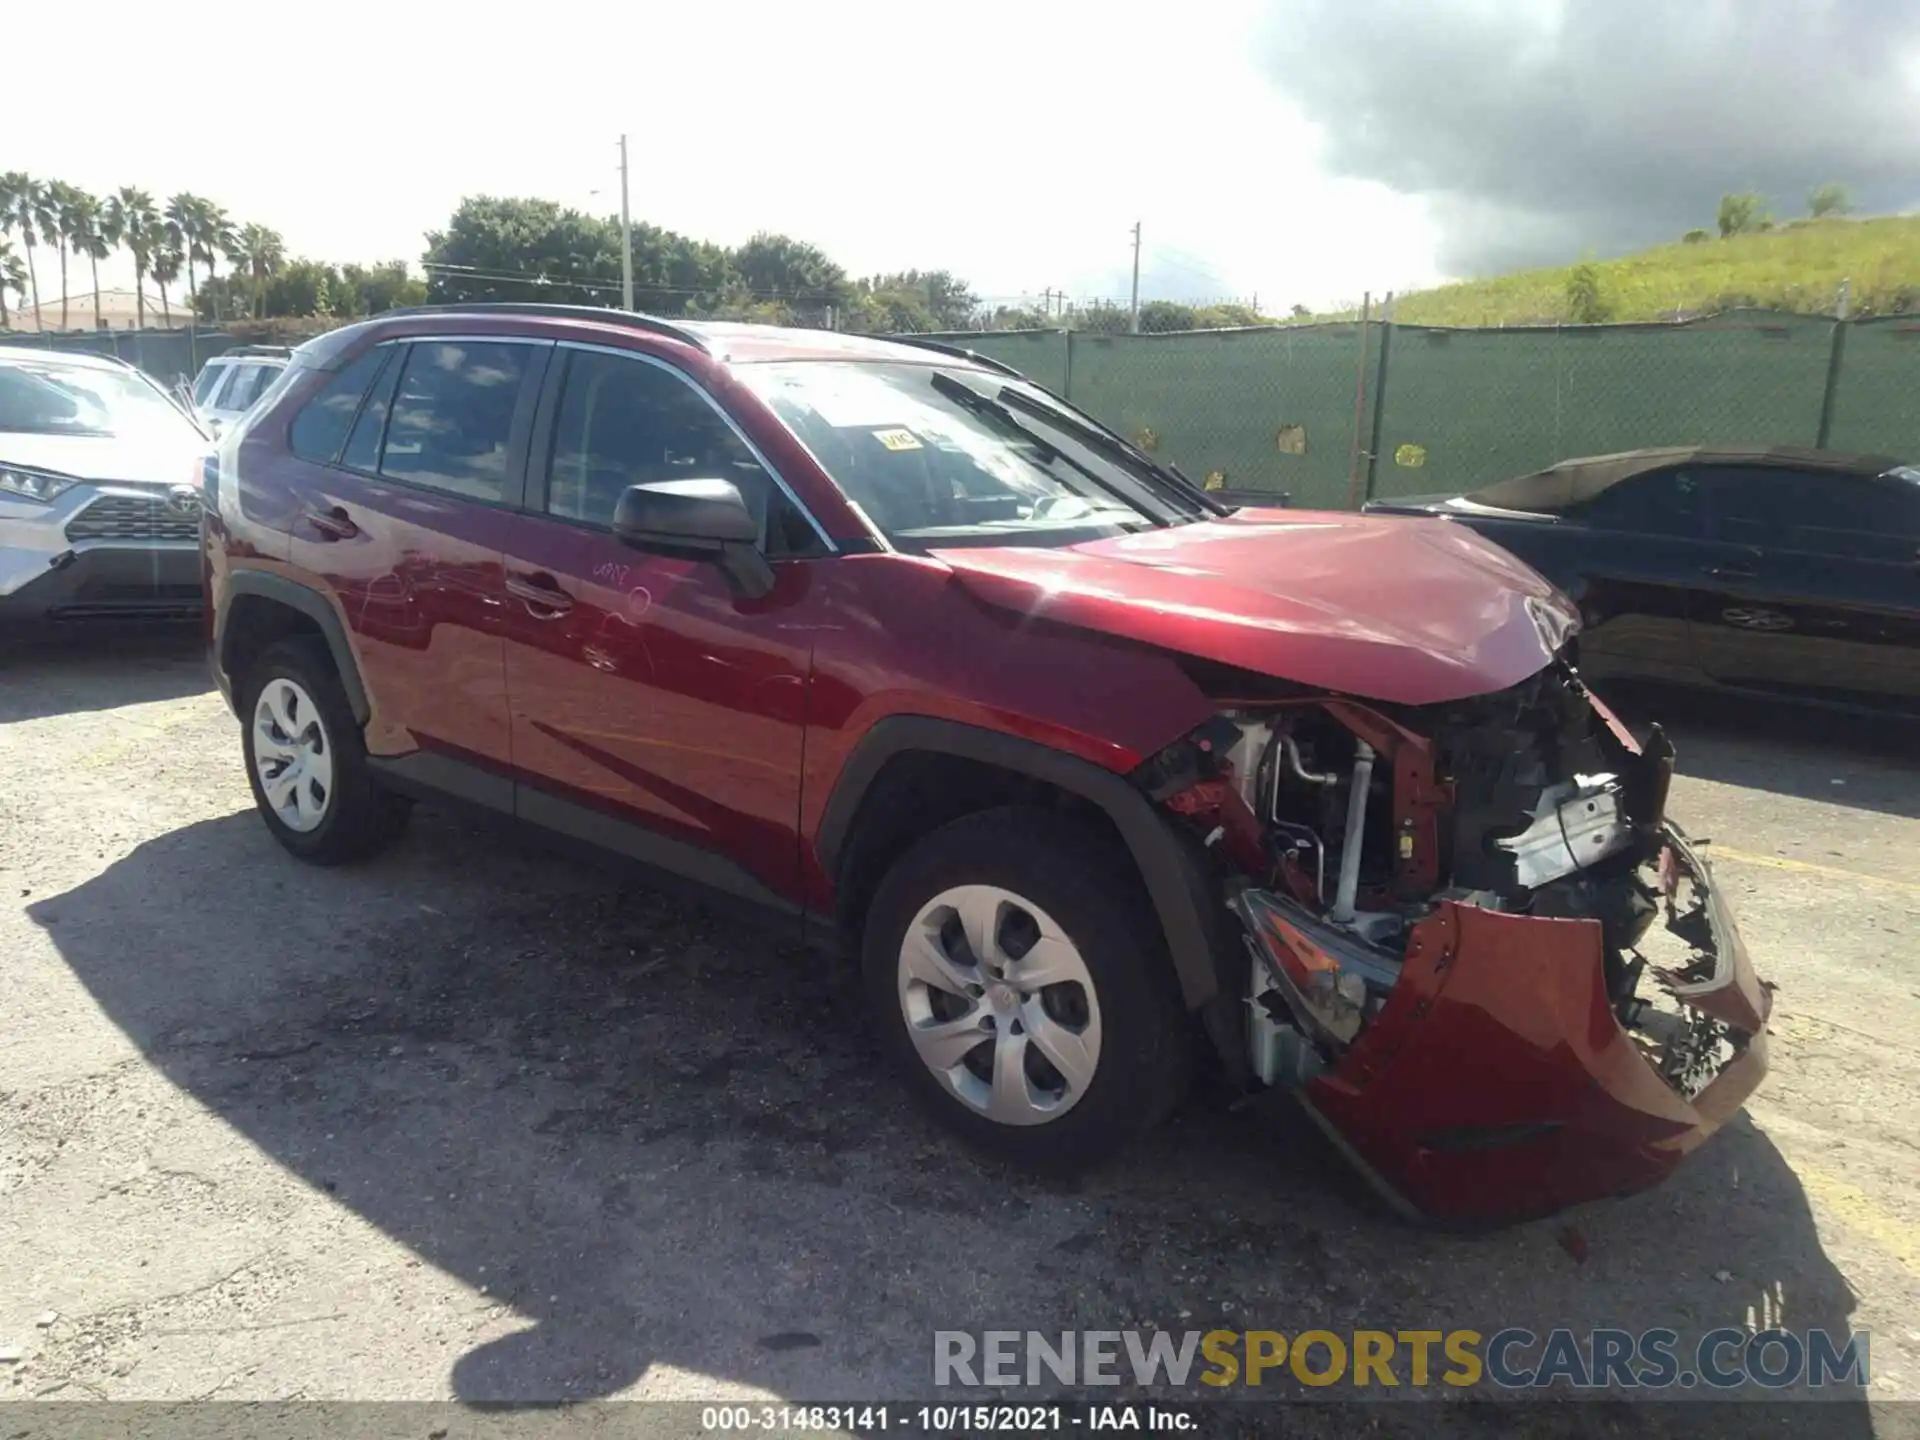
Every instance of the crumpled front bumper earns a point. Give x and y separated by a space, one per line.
1496 1081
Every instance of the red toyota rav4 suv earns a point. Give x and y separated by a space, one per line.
1088 769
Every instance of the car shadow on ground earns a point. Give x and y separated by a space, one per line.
1782 749
95 668
663 1138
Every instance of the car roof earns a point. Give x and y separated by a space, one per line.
78 359
729 342
1573 482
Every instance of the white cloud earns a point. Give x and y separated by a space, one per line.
1014 143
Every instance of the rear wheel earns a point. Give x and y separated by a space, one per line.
1015 975
305 760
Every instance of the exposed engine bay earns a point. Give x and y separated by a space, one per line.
1360 842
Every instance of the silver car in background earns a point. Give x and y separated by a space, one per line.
100 475
229 383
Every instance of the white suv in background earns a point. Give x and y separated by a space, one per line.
100 474
229 383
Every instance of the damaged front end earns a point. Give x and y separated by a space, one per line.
1475 947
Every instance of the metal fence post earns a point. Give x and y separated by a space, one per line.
1359 404
1379 391
1066 370
1834 358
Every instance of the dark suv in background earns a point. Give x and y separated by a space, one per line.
1088 769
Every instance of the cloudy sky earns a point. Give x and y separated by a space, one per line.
1300 150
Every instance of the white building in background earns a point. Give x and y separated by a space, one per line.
117 312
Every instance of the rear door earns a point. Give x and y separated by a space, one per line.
402 514
1636 555
655 710
1830 606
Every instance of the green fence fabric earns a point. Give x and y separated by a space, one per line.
1877 401
1463 408
1273 409
168 355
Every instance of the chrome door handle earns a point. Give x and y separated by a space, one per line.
334 524
541 595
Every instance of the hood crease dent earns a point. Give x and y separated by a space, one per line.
1410 611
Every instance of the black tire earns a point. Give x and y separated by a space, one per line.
1077 875
361 817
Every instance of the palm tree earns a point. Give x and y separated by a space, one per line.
66 201
183 225
167 260
22 201
134 221
86 233
217 238
13 276
263 252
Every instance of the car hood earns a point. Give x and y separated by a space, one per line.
1405 610
144 459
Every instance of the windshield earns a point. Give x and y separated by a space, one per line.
939 458
48 398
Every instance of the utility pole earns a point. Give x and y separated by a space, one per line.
626 235
1133 316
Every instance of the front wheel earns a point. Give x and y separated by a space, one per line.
1016 977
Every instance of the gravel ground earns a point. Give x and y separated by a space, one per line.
482 1122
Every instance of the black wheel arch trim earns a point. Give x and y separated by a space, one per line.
1176 885
310 603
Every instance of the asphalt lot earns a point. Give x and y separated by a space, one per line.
480 1121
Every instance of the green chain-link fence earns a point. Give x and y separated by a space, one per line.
1275 409
168 355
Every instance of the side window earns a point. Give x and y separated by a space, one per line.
1812 513
244 386
452 416
209 381
627 422
363 446
320 428
1667 502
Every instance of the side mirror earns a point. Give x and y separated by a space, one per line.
700 517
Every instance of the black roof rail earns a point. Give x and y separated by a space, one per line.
278 351
630 318
959 352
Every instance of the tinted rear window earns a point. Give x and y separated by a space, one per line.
321 427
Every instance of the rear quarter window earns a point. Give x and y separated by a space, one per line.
321 427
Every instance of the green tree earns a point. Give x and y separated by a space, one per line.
1102 317
305 287
1228 315
1741 214
181 224
86 232
218 238
1019 317
1832 198
1157 317
792 272
501 248
134 223
23 203
370 289
262 252
1586 305
13 276
165 262
61 199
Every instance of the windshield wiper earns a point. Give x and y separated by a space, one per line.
1100 437
971 399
